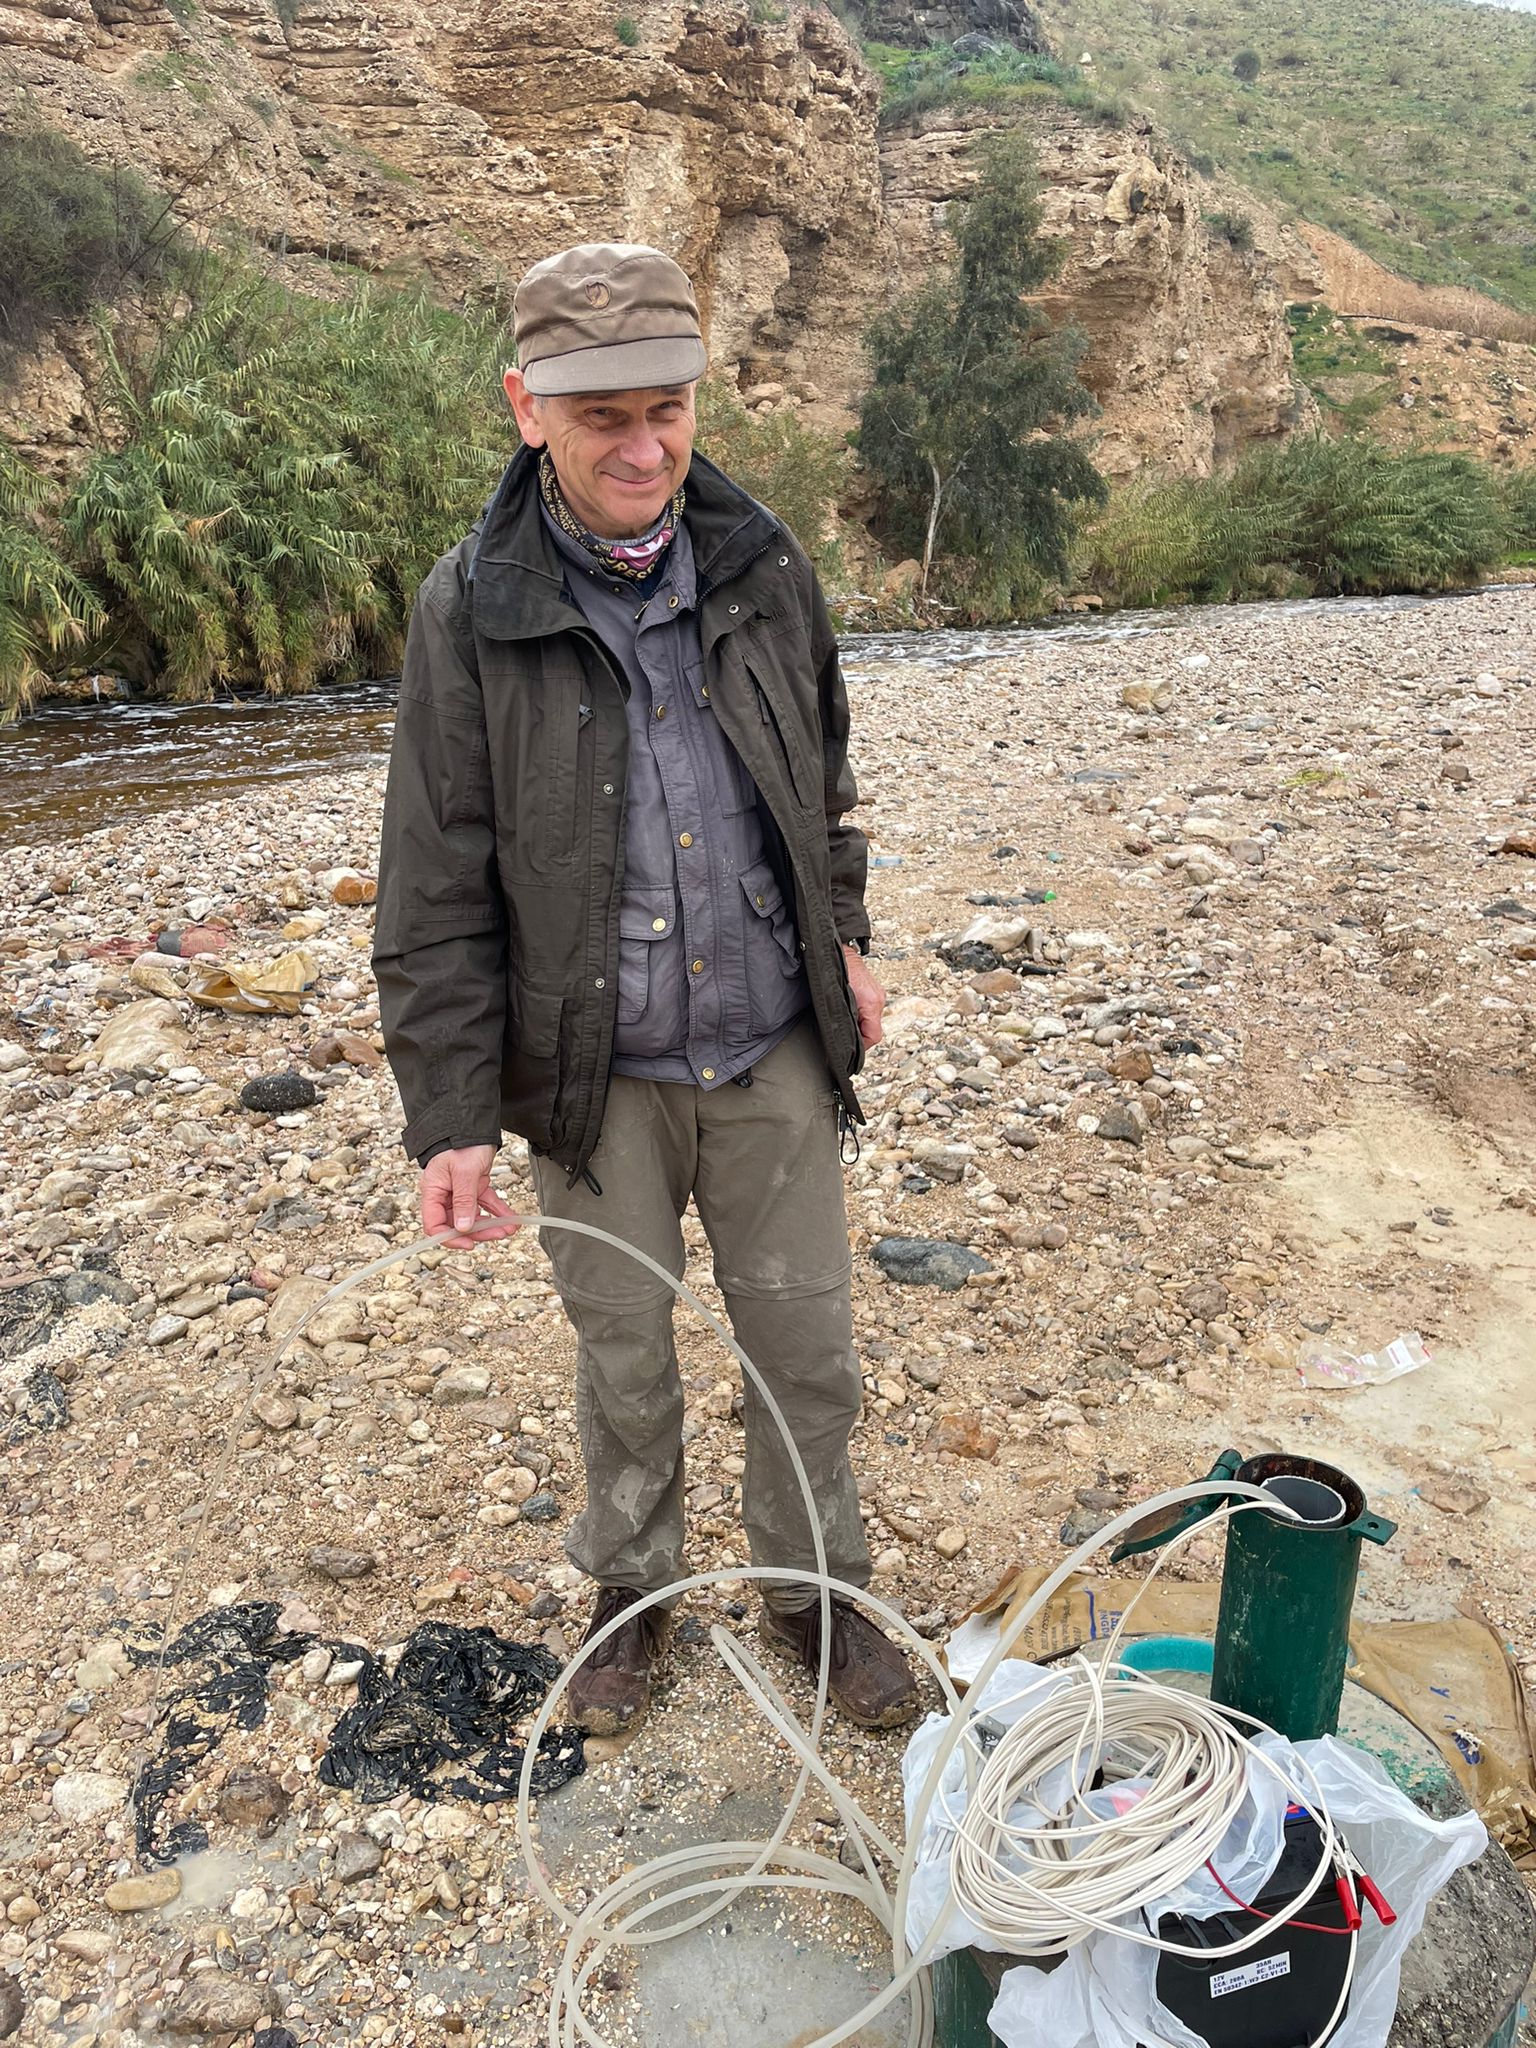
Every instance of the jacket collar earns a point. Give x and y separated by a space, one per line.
517 581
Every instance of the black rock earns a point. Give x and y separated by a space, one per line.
547 1607
274 1094
1508 907
925 1262
1118 1122
12 2005
540 1507
169 941
275 2037
970 958
81 1289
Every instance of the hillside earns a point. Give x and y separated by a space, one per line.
1407 125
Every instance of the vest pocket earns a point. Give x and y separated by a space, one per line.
646 916
765 899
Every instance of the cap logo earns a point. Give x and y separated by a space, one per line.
597 292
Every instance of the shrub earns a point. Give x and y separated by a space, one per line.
46 612
789 467
71 233
1247 65
284 473
916 82
1324 517
1234 228
1517 492
627 31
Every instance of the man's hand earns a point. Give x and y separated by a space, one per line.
456 1192
868 994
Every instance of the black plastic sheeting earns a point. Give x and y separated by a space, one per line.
454 1699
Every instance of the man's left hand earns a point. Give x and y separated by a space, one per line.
868 994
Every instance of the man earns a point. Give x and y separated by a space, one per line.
621 912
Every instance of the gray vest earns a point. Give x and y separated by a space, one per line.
710 973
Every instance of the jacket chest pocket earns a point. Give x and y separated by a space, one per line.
784 730
539 717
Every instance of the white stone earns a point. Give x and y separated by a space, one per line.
88 1795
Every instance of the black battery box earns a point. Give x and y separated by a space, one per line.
1281 1992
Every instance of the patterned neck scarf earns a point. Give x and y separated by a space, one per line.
636 558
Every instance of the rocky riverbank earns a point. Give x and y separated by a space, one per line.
1212 955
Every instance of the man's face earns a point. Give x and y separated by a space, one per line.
619 455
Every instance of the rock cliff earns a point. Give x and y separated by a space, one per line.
458 143
1189 353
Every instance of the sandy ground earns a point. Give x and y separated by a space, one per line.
1290 967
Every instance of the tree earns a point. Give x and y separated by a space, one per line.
973 385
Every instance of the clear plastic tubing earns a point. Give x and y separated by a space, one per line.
687 1887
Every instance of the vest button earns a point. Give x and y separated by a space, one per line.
685 839
698 966
733 609
708 1073
658 924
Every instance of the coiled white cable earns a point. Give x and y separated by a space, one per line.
1080 1877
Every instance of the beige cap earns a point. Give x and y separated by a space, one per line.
606 316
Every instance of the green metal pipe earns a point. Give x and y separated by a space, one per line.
1287 1588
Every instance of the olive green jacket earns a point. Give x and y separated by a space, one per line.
502 852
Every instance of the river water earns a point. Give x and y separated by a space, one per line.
70 768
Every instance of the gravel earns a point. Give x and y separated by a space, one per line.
1122 1127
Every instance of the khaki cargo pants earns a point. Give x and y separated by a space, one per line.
762 1165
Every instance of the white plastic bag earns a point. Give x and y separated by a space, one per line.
1104 1995
1247 1853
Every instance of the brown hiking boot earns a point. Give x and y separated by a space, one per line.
611 1691
867 1675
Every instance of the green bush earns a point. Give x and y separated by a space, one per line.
71 233
793 470
1317 517
47 614
627 31
1235 228
915 82
1247 65
1517 491
286 471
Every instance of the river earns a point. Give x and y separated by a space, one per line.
72 767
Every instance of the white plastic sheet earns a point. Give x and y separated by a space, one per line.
1104 1994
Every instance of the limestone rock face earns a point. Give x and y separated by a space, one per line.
463 141
459 143
1189 354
